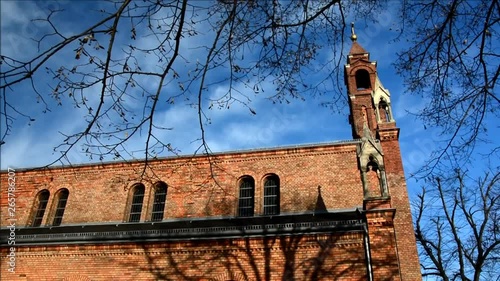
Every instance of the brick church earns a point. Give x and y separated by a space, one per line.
328 211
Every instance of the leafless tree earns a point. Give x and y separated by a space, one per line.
139 53
453 63
136 58
457 226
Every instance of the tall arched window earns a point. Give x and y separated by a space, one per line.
271 195
246 198
62 199
136 206
160 197
362 79
42 199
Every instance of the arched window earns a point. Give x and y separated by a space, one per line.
271 195
246 199
160 197
383 110
42 199
62 198
362 79
136 206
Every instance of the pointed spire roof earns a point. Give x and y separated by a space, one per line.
356 49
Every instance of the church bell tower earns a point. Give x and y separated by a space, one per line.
370 117
370 102
385 197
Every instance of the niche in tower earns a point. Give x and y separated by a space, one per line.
362 79
383 109
373 178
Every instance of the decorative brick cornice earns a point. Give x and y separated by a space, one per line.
389 133
179 230
377 203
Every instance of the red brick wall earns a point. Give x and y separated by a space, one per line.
199 188
403 224
311 257
100 193
361 99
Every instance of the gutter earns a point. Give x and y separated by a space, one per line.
366 244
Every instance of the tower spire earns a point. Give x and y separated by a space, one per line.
353 35
370 102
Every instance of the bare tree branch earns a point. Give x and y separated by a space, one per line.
452 63
146 62
456 227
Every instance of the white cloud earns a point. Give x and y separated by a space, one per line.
12 14
230 129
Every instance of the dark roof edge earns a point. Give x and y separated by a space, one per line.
353 228
188 229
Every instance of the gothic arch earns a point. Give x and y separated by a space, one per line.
374 178
382 102
372 163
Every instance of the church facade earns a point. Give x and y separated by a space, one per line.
328 211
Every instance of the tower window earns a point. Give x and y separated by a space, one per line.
62 198
362 79
136 206
246 198
159 201
40 205
271 195
383 110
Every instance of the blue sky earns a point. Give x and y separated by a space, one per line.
31 143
